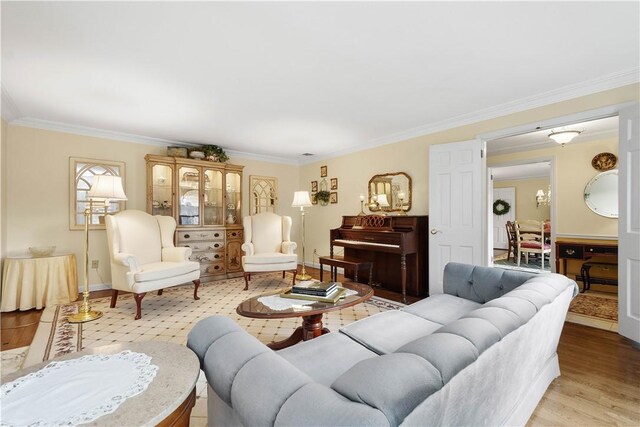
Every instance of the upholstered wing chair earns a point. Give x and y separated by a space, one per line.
268 246
144 258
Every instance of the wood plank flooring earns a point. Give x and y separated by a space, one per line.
599 385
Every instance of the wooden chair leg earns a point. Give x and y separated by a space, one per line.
195 289
247 277
138 298
114 298
160 291
283 274
295 273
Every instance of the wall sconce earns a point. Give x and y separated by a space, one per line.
401 203
542 198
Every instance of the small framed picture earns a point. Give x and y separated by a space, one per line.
314 199
334 183
314 186
333 197
323 171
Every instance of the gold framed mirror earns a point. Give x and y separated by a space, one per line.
390 192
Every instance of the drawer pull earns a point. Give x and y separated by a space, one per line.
186 236
570 252
217 245
217 235
216 256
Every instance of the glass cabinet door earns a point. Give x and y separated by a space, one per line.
213 203
161 190
188 196
233 198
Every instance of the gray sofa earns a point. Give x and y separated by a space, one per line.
481 353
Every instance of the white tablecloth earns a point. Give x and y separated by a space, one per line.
75 391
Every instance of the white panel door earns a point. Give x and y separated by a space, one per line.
508 194
456 176
629 225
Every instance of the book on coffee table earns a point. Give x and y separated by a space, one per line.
322 289
334 296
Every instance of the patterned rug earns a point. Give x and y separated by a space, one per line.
171 316
595 306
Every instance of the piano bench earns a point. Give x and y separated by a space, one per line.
346 263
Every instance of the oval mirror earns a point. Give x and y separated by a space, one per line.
601 194
390 192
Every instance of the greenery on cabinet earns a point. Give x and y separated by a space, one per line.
215 153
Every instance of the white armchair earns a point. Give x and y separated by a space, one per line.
144 258
268 246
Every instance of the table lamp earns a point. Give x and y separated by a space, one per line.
302 200
104 188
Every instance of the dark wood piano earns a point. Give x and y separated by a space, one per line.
397 245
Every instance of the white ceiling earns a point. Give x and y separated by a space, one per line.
282 79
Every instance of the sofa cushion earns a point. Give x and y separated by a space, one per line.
481 284
165 270
393 383
384 332
448 353
522 308
270 258
481 333
442 308
327 357
504 320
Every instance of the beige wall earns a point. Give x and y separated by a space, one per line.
573 171
526 190
37 183
412 156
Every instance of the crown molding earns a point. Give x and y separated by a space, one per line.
263 158
600 84
8 108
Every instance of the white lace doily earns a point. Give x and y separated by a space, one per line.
75 391
277 303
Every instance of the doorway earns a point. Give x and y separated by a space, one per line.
521 195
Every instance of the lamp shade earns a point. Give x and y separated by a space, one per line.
382 200
301 199
107 187
562 137
540 193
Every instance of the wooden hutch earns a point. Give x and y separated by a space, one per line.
205 198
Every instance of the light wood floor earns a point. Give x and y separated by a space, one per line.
599 385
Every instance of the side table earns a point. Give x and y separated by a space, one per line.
36 282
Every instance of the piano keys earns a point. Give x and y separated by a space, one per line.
397 246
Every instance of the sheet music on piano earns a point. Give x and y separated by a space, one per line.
397 246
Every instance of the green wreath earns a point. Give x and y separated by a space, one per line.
500 207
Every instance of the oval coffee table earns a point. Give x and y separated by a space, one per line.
166 402
311 314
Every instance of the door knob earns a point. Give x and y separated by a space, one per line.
435 231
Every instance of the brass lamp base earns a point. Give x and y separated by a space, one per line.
84 316
303 276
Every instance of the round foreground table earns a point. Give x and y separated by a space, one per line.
311 314
170 396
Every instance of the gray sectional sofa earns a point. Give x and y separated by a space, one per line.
481 353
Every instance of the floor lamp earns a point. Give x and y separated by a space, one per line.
104 188
301 200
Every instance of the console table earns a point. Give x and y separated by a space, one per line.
36 282
582 249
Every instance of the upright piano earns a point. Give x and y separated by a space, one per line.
397 245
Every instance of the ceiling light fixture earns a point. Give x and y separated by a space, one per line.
564 136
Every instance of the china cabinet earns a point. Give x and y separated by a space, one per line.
205 198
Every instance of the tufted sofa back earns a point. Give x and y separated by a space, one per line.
481 284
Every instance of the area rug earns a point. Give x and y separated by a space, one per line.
595 306
170 317
533 264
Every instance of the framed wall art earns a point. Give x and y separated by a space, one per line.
334 183
333 197
323 171
314 186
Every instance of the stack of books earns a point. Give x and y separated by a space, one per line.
316 291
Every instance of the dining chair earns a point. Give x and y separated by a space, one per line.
511 240
531 240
